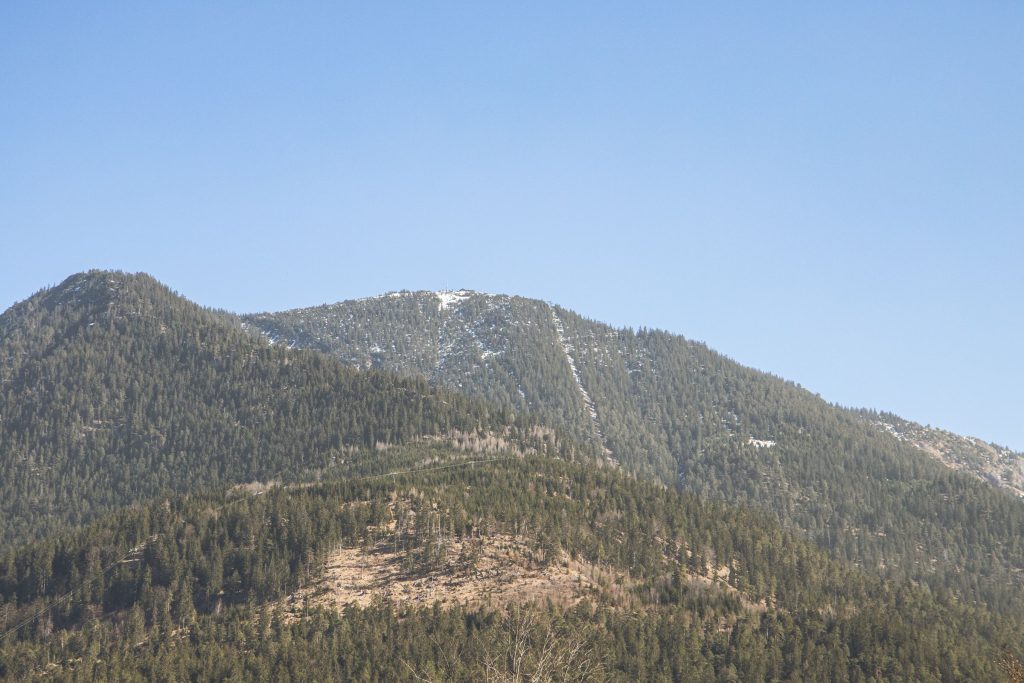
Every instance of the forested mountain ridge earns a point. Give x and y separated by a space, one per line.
534 356
664 406
114 389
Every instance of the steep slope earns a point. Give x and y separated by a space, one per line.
676 589
113 389
671 408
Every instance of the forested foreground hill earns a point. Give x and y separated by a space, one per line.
211 588
673 409
114 389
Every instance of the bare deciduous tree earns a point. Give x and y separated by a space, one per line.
1013 667
533 652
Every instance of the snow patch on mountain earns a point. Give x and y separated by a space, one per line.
447 299
568 349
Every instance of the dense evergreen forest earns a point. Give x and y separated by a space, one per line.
191 588
113 390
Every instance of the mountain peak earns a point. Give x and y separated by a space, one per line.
95 289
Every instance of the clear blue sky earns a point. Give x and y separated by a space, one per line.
835 195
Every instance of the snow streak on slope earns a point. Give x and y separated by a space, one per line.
445 300
587 401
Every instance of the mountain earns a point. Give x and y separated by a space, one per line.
501 488
662 406
113 389
602 384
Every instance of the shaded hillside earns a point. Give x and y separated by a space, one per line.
670 408
195 588
114 389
